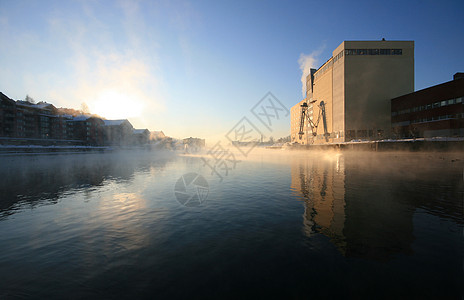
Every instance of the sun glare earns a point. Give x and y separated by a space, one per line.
116 105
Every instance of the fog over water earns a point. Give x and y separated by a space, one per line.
280 223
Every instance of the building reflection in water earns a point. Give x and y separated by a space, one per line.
35 180
366 203
356 205
322 184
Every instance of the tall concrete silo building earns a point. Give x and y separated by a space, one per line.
355 85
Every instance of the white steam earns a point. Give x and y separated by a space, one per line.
307 62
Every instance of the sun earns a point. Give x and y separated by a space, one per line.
111 104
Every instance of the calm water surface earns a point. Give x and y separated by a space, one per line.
280 225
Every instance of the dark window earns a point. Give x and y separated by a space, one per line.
397 51
384 51
362 133
373 51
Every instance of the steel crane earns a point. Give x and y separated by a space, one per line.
313 125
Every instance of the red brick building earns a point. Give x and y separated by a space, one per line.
23 122
87 129
431 112
7 116
118 132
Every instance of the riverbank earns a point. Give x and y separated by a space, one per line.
412 145
35 149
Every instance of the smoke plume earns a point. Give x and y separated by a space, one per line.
307 62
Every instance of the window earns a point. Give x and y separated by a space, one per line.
371 52
451 101
436 104
459 100
429 106
443 103
384 51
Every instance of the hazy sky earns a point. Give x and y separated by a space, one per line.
196 68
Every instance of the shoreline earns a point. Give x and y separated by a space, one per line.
410 145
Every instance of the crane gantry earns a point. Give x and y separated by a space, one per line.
313 125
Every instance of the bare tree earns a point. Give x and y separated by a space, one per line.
85 109
29 99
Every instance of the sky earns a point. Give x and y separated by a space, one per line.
196 68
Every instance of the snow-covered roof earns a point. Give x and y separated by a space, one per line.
81 118
140 131
43 105
40 105
114 122
24 103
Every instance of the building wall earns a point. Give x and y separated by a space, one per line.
323 91
356 85
434 111
371 81
7 116
120 134
295 116
338 94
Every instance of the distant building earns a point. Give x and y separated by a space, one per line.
434 111
141 136
118 132
88 129
8 117
157 135
355 85
23 122
192 142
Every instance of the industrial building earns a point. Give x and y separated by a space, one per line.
349 96
431 112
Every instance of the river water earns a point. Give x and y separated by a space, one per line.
281 224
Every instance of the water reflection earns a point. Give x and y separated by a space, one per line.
322 183
29 181
366 205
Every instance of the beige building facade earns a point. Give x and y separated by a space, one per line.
355 85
